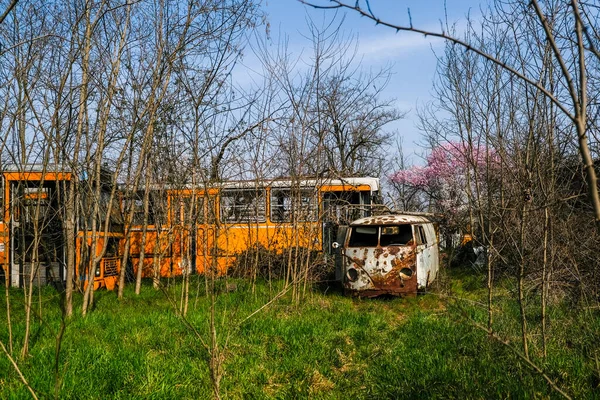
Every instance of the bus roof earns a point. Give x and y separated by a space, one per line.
35 168
372 183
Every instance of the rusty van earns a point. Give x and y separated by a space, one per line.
387 254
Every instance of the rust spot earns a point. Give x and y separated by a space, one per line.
378 252
358 261
404 262
394 250
393 282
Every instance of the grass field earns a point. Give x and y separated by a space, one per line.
328 346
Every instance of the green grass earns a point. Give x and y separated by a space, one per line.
329 346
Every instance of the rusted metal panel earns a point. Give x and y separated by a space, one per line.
378 270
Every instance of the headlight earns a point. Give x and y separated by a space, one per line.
352 275
406 273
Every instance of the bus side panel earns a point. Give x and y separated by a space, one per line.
157 252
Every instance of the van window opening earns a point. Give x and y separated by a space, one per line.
364 236
368 236
399 235
420 235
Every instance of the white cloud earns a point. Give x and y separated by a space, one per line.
392 45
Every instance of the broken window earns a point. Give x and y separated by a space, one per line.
345 207
368 236
189 210
136 200
300 204
396 235
363 236
211 210
35 203
112 247
243 205
420 235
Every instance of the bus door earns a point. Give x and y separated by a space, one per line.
15 259
336 211
36 227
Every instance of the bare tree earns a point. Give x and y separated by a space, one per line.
517 122
335 116
575 107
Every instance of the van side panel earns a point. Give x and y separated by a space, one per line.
427 257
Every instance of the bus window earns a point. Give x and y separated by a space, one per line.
191 209
285 203
36 201
112 247
136 200
243 205
211 210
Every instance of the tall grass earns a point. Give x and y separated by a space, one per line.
329 346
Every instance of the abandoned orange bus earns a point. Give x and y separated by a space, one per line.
168 231
189 229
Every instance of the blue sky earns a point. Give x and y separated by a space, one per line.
411 56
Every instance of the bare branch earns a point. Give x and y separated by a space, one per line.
8 10
12 361
557 54
454 40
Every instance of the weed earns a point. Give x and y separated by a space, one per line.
329 346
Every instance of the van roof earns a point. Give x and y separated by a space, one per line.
391 219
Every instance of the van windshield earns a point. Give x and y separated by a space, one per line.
370 236
396 235
363 236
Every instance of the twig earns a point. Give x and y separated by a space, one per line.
18 371
528 361
277 296
187 323
457 41
522 356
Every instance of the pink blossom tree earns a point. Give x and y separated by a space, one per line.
447 180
